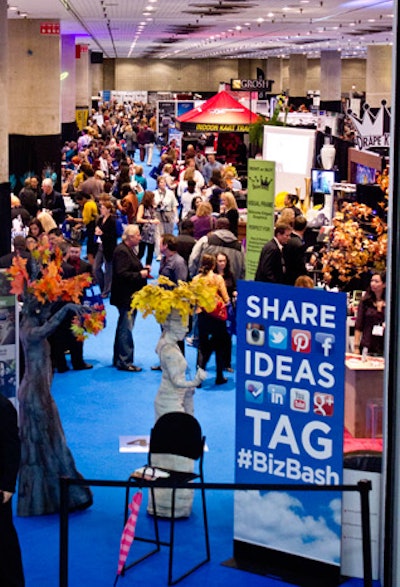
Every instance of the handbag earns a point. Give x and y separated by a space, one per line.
220 311
231 320
92 299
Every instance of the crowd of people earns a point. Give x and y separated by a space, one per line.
105 187
117 227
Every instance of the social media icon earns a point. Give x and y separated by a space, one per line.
255 334
323 404
276 394
277 337
254 391
326 342
299 400
301 341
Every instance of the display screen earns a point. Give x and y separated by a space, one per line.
364 174
322 180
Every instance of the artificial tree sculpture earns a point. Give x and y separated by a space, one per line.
46 299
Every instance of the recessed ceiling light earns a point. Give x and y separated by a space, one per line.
13 8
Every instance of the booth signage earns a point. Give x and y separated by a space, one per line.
260 210
204 127
289 418
252 84
372 130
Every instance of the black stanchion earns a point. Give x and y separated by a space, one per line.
363 487
64 521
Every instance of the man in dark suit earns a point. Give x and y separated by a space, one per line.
52 201
128 276
294 250
271 265
11 572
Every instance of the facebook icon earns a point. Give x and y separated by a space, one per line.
326 341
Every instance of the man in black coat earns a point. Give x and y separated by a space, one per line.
271 265
11 572
128 276
294 251
52 201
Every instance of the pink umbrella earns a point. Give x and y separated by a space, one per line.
128 533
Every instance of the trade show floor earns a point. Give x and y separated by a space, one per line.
96 408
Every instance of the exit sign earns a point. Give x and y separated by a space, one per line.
49 28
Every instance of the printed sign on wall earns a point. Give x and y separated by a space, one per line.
289 418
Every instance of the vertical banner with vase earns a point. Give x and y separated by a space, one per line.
289 430
260 211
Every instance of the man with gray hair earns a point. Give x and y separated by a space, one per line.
52 201
128 276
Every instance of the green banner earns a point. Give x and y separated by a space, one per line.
260 210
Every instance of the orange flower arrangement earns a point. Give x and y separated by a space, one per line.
49 286
358 244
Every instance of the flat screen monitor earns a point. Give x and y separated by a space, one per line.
364 175
322 180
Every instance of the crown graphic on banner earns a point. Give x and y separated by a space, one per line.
373 130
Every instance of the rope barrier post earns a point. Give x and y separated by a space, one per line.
64 520
365 487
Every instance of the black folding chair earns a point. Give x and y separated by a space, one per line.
175 433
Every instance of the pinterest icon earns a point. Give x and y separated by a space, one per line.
301 341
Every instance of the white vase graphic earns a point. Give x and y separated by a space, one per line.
328 153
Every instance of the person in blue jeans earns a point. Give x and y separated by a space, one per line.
128 276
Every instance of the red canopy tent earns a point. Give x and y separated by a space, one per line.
221 113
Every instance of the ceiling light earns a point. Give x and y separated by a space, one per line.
150 8
13 8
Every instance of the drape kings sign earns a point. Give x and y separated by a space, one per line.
289 428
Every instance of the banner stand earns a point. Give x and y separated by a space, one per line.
274 564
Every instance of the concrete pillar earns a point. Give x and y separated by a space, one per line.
34 79
34 99
331 75
297 75
5 207
274 71
379 75
3 92
68 79
83 85
96 70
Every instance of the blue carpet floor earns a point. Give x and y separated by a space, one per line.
98 406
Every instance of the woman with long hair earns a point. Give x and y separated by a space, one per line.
106 233
229 210
212 331
370 323
147 219
223 268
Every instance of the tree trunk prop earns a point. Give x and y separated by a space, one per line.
45 455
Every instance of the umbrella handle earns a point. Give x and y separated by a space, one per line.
116 580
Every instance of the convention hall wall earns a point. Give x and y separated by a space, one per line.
206 74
